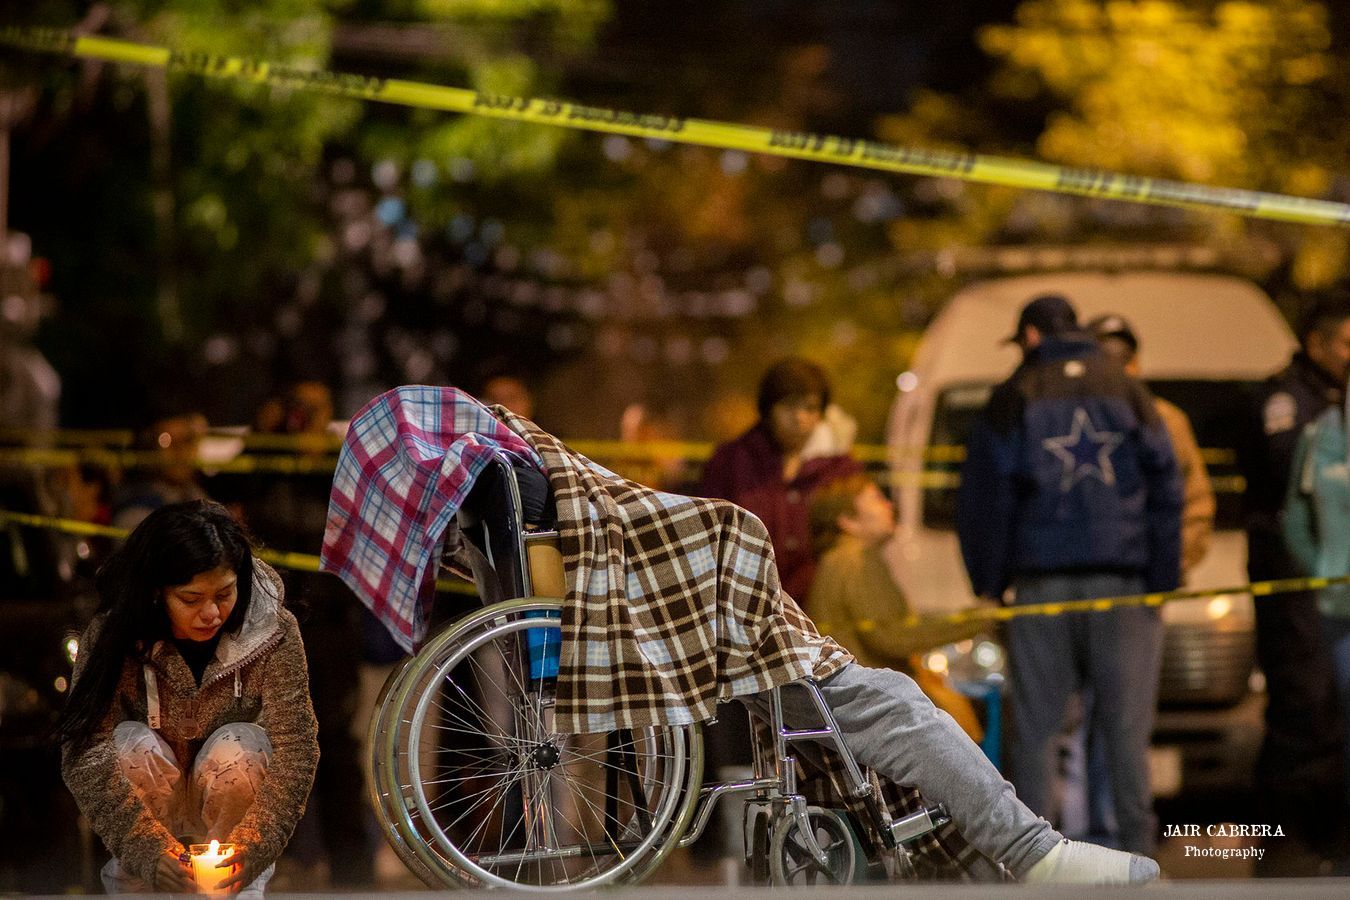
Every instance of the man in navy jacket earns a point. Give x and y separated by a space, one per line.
1070 490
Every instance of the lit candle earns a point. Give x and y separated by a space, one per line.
204 870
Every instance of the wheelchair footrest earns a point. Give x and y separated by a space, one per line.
917 824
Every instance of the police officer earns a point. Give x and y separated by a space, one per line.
1299 764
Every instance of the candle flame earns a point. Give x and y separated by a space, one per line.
215 848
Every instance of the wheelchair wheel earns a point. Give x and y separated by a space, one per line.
483 789
791 863
382 738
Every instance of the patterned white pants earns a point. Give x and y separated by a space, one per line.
224 780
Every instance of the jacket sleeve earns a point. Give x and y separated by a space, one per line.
288 718
1163 506
985 507
1298 520
108 800
920 634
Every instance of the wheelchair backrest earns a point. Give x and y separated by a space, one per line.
492 518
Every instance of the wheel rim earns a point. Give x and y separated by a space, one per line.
382 740
538 769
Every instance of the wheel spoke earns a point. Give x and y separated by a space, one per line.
465 763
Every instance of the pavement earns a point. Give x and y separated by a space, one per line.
1320 889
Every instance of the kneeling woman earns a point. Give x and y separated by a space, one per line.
189 719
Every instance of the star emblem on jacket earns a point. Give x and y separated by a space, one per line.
1084 451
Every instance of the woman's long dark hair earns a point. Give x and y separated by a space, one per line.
173 545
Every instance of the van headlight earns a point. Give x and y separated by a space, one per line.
988 655
1218 607
978 660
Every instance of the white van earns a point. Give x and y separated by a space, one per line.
1204 339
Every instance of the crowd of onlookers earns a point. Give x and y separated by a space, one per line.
1077 483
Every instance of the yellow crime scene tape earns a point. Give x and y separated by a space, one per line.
846 151
1101 604
616 452
309 563
58 457
302 562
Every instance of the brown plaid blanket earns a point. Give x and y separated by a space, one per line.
674 605
673 602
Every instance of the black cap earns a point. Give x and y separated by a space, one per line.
1049 313
1114 326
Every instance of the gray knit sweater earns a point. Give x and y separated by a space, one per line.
265 665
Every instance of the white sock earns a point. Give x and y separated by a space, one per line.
1078 862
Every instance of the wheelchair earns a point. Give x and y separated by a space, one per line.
476 788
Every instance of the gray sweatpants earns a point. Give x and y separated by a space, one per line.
890 726
225 778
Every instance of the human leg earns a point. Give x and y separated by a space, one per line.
1336 630
892 727
1124 655
1042 675
145 760
1300 760
226 777
227 774
1103 828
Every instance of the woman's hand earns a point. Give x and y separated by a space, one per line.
244 872
172 875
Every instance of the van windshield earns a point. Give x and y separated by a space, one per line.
1215 409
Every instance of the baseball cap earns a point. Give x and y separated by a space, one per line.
1049 313
1114 326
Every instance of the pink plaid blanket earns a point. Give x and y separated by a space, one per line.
407 463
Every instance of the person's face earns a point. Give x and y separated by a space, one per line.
792 420
873 518
1329 349
199 608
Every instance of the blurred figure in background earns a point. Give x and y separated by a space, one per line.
173 476
30 389
508 391
1317 529
1118 340
288 513
834 436
1070 491
1300 761
855 600
765 471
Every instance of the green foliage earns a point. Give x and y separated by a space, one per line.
212 198
1166 89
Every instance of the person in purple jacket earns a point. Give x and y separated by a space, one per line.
764 470
1070 490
